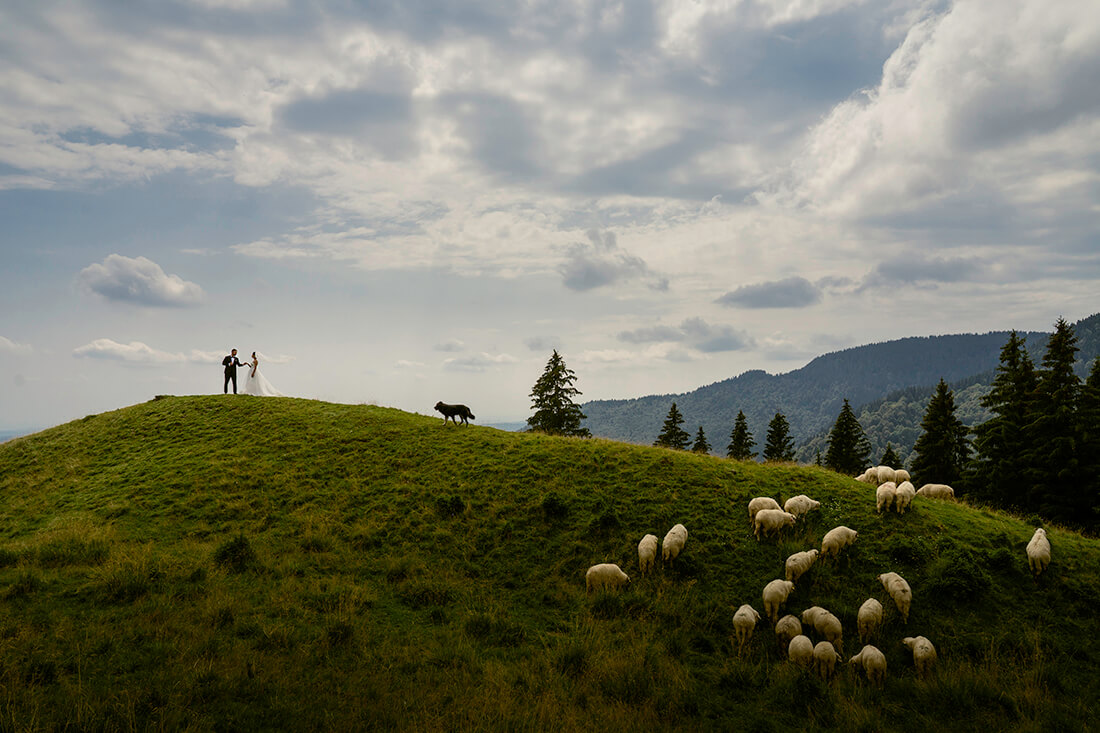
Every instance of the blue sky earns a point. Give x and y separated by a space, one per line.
401 203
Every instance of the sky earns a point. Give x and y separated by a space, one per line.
398 203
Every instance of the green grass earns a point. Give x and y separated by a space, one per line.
321 566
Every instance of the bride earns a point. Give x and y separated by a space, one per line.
256 384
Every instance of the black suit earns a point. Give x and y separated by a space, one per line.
231 363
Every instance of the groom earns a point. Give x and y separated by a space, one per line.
231 363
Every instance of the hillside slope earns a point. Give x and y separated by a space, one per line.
235 562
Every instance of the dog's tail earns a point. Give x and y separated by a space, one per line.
472 416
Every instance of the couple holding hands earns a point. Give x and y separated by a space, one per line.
254 383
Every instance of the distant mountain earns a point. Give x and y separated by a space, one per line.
889 383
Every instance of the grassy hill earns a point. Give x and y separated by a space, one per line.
242 563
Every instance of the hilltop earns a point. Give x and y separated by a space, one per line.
248 563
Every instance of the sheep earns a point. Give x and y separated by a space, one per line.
885 473
936 491
647 553
901 475
884 496
799 564
825 624
800 505
605 575
1038 552
873 662
924 654
775 595
836 539
771 520
761 502
674 543
800 650
899 590
825 659
744 621
903 497
869 619
870 476
787 628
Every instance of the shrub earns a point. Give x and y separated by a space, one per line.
554 507
235 555
959 574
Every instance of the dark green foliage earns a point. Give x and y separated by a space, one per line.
235 555
449 506
700 445
552 399
554 507
849 450
741 441
959 575
494 630
672 435
943 449
1088 411
890 458
8 558
71 551
779 445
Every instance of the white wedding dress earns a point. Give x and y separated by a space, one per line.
255 384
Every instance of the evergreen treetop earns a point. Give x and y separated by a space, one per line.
890 458
849 451
941 451
741 441
552 399
779 445
672 435
701 445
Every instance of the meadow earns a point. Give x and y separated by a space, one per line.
238 563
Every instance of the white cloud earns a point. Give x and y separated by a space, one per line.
478 363
13 347
139 280
137 352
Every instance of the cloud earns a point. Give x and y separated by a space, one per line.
478 363
12 347
137 352
652 334
919 267
696 332
792 292
542 343
450 345
139 280
603 262
407 364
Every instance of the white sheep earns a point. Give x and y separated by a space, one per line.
787 628
903 497
799 563
761 502
873 662
901 475
869 619
825 659
936 491
647 553
800 505
899 590
924 654
836 539
885 473
800 650
605 575
870 476
674 542
825 624
1038 551
771 521
775 595
744 621
884 496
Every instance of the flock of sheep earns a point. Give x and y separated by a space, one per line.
894 490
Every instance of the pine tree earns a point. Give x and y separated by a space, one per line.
741 442
552 399
672 435
779 445
941 452
849 451
1088 417
1056 486
701 445
890 458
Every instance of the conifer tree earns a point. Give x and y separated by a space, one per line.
779 445
1056 486
890 457
1088 413
741 442
552 399
941 452
849 451
701 445
672 435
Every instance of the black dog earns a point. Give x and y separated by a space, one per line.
451 411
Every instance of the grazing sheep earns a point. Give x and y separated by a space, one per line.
936 491
744 621
903 497
787 628
901 475
771 521
799 563
885 473
869 619
761 502
1038 552
836 539
674 543
605 575
870 476
800 505
924 654
647 553
884 496
873 663
825 659
800 650
899 590
775 595
825 624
